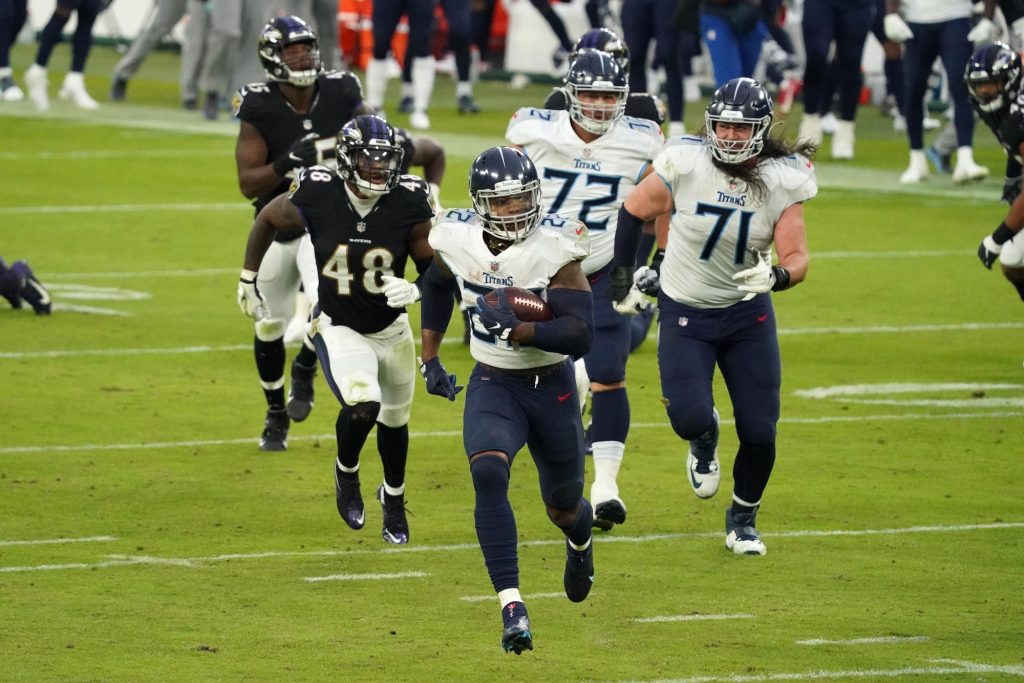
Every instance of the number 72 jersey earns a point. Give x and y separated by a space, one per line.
587 181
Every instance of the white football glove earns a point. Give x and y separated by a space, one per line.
399 291
756 280
896 29
635 302
249 298
983 32
435 199
646 279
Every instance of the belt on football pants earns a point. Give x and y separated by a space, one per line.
542 371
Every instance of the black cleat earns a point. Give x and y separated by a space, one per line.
517 635
579 572
190 104
10 285
405 105
275 431
300 395
467 105
211 106
609 513
396 527
350 501
118 89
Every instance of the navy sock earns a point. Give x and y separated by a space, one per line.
579 531
610 413
393 445
351 428
750 472
495 522
270 365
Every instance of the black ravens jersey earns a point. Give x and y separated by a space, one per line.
338 93
353 251
1008 125
640 105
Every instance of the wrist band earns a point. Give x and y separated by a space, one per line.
1002 234
781 278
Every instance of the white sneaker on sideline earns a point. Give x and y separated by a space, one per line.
74 90
918 169
966 171
829 124
9 90
36 82
810 129
419 120
842 141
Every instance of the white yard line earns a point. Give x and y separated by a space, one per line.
127 560
157 445
123 208
59 541
877 329
942 667
112 154
366 577
877 640
692 617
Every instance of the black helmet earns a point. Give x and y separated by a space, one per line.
596 71
278 34
501 172
605 40
741 100
996 63
369 157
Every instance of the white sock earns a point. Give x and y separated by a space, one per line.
376 82
406 89
422 82
347 470
391 491
965 155
607 459
581 547
509 595
463 88
6 72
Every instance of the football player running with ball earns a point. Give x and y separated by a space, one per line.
288 122
589 158
732 194
522 391
365 220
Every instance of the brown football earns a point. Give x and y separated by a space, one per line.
527 306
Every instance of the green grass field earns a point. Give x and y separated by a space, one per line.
143 536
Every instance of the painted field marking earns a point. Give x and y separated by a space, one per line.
127 560
111 154
951 667
877 329
890 394
692 617
123 208
530 596
366 577
59 541
251 440
877 640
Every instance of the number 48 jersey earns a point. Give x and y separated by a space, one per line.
587 181
719 223
352 251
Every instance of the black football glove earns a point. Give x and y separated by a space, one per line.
499 319
302 153
439 382
622 282
1011 189
648 278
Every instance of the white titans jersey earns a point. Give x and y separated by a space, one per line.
458 238
586 180
719 225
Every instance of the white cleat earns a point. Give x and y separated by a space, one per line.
965 172
741 535
37 84
842 140
9 90
829 124
702 464
917 170
810 129
74 90
419 120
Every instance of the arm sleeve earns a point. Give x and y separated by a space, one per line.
572 330
437 303
627 238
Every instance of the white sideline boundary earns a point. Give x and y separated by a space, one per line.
457 339
59 541
691 617
942 667
122 560
366 577
876 640
252 440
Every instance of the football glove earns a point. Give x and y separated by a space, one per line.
983 32
896 29
498 320
756 280
648 278
439 382
1011 190
399 291
249 298
302 153
622 282
634 302
988 251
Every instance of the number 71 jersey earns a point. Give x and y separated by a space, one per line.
587 181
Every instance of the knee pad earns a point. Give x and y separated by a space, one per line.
395 416
270 330
490 474
755 431
691 420
359 387
565 495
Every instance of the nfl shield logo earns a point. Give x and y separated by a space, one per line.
307 124
495 266
683 322
361 226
